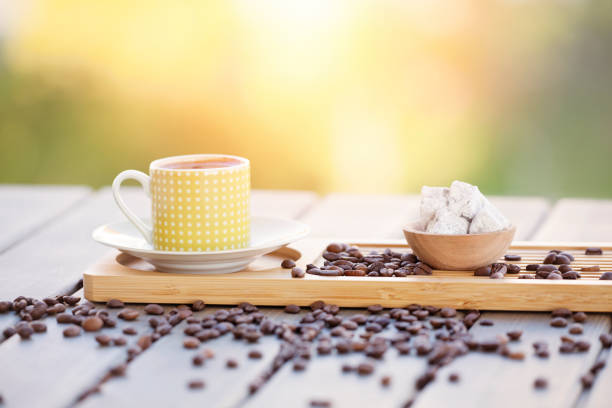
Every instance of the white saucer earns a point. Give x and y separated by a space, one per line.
267 235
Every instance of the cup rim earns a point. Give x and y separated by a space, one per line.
158 163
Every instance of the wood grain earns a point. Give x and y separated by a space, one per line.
24 209
578 220
50 370
159 378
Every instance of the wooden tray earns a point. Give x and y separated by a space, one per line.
264 283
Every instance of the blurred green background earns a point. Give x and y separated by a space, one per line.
360 96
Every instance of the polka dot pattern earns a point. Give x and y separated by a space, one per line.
200 210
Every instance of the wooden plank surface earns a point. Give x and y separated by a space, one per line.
323 374
24 209
383 216
566 222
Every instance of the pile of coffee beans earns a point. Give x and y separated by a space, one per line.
344 260
497 270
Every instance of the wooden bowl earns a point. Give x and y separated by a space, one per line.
459 252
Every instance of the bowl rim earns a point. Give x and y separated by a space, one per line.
410 228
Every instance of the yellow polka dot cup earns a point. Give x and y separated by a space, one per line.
199 202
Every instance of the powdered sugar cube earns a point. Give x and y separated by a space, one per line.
465 199
488 219
432 199
447 222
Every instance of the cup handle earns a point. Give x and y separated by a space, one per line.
144 180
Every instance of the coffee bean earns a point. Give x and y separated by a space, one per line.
540 383
255 354
513 268
453 377
119 341
562 260
287 264
426 378
24 330
561 312
565 268
365 368
38 327
486 322
532 267
64 318
335 248
583 345
128 314
525 276
320 403
319 304
593 251
198 305
516 355
130 331
115 304
144 342
512 257
489 345
92 324
103 339
576 328
547 268
587 380
375 309
292 309
598 366
579 317
72 331
422 269
514 335
196 384
571 275
297 272
606 340
108 322
606 276
198 360
118 371
566 347
483 271
153 309
231 363
592 268
550 258
554 276
299 364
385 381
71 300
558 322
496 275
448 312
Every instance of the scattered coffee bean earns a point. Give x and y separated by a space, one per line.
606 340
561 312
516 355
153 309
566 347
255 354
582 345
571 275
496 275
115 304
287 264
144 342
597 367
198 360
317 403
297 272
118 371
453 377
593 251
119 341
130 331
24 330
38 327
532 267
550 258
196 384
591 268
128 314
365 368
558 322
198 305
103 339
579 317
562 260
71 300
231 363
540 383
514 335
385 381
512 257
92 324
72 331
587 380
335 247
606 276
486 322
292 309
191 343
554 276
483 271
375 309
576 328
513 269
299 364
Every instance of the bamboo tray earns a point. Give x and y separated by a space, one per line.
264 283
